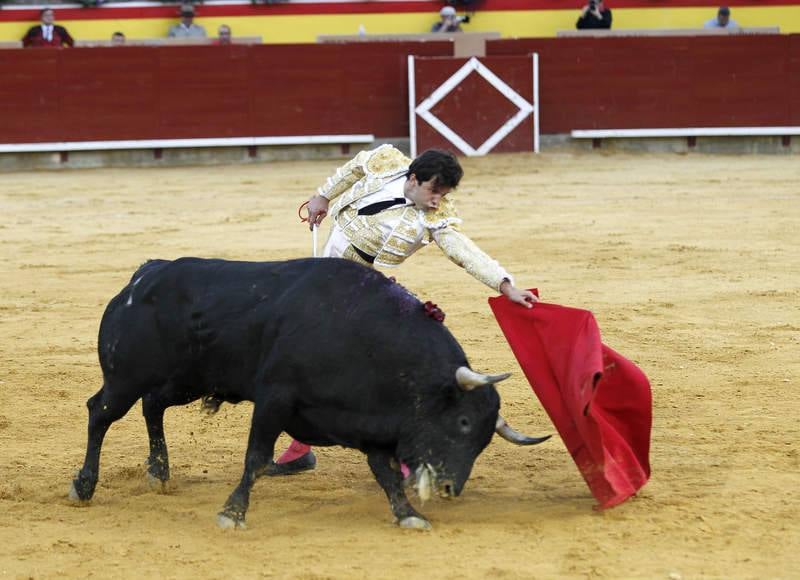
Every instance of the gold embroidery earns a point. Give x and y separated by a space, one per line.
345 177
350 254
387 260
464 252
386 160
443 216
404 240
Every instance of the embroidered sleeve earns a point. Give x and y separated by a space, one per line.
464 252
345 177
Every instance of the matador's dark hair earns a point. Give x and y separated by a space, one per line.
439 164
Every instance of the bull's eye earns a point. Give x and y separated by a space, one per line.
464 424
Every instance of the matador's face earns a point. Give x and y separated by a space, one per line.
426 195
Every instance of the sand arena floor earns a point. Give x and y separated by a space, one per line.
691 265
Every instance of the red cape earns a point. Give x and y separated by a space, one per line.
599 401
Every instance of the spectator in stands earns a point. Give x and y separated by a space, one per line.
223 34
47 33
117 39
595 15
449 21
187 28
723 19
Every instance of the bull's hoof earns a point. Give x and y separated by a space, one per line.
82 488
303 463
415 523
227 522
157 484
157 468
75 497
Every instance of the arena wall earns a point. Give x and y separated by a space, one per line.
215 92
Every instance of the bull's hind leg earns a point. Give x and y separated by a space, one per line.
104 409
265 428
391 480
153 406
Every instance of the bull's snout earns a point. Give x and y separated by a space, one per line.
449 488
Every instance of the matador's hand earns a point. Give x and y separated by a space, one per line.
525 298
317 210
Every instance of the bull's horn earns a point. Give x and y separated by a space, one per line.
469 379
502 428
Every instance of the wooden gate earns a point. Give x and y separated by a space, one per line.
474 105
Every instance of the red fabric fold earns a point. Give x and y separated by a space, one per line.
599 401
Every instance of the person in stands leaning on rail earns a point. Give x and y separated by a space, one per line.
47 34
186 28
223 35
595 15
449 21
722 20
384 208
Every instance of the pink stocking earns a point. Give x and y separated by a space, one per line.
294 451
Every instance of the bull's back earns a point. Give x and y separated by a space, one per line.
337 332
213 321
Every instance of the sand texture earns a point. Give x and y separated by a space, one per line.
691 265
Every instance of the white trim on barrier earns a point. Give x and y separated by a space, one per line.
412 115
684 132
184 143
535 102
473 64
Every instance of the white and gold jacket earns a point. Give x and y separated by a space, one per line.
393 234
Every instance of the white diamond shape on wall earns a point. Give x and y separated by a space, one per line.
473 64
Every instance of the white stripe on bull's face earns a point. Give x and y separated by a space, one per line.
468 379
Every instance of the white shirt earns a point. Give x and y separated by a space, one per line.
391 190
714 23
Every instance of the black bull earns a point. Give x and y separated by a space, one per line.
328 351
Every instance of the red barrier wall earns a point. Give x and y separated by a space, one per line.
89 94
118 93
651 82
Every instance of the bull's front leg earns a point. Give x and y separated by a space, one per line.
391 480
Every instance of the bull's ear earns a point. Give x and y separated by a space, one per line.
468 379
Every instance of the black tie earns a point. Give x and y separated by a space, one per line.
377 207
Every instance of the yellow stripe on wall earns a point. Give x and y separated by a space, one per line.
787 18
305 28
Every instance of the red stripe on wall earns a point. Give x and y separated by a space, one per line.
111 12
